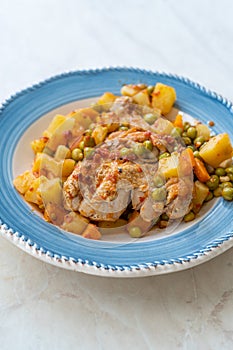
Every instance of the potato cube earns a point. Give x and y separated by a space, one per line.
91 232
33 193
51 191
75 223
107 97
23 182
163 97
62 152
131 90
55 123
39 144
216 150
169 166
201 191
203 130
99 134
142 98
162 126
68 167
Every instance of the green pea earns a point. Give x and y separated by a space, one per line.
148 145
135 232
218 192
227 193
150 89
186 125
81 145
187 140
159 194
192 132
158 181
123 128
150 118
213 182
125 152
77 154
176 132
165 217
184 134
220 171
164 155
196 154
230 176
226 184
138 149
88 151
209 197
192 148
189 217
229 170
198 141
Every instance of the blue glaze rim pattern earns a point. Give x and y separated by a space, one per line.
193 253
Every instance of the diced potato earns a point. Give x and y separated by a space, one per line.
163 97
216 150
55 123
91 232
33 195
75 223
68 167
142 98
131 90
39 144
81 120
62 152
201 191
51 191
169 166
88 112
99 134
203 130
112 124
163 126
45 164
106 98
23 182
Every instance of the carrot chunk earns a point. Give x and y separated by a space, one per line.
200 170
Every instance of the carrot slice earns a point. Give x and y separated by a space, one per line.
191 156
200 170
186 162
178 122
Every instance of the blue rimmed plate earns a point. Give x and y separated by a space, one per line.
26 115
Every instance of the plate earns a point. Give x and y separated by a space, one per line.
25 115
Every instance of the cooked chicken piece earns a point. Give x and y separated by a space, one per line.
114 181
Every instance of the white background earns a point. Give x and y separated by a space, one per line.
43 307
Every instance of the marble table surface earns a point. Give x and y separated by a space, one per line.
43 307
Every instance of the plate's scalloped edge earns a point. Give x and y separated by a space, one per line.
138 270
185 80
95 268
